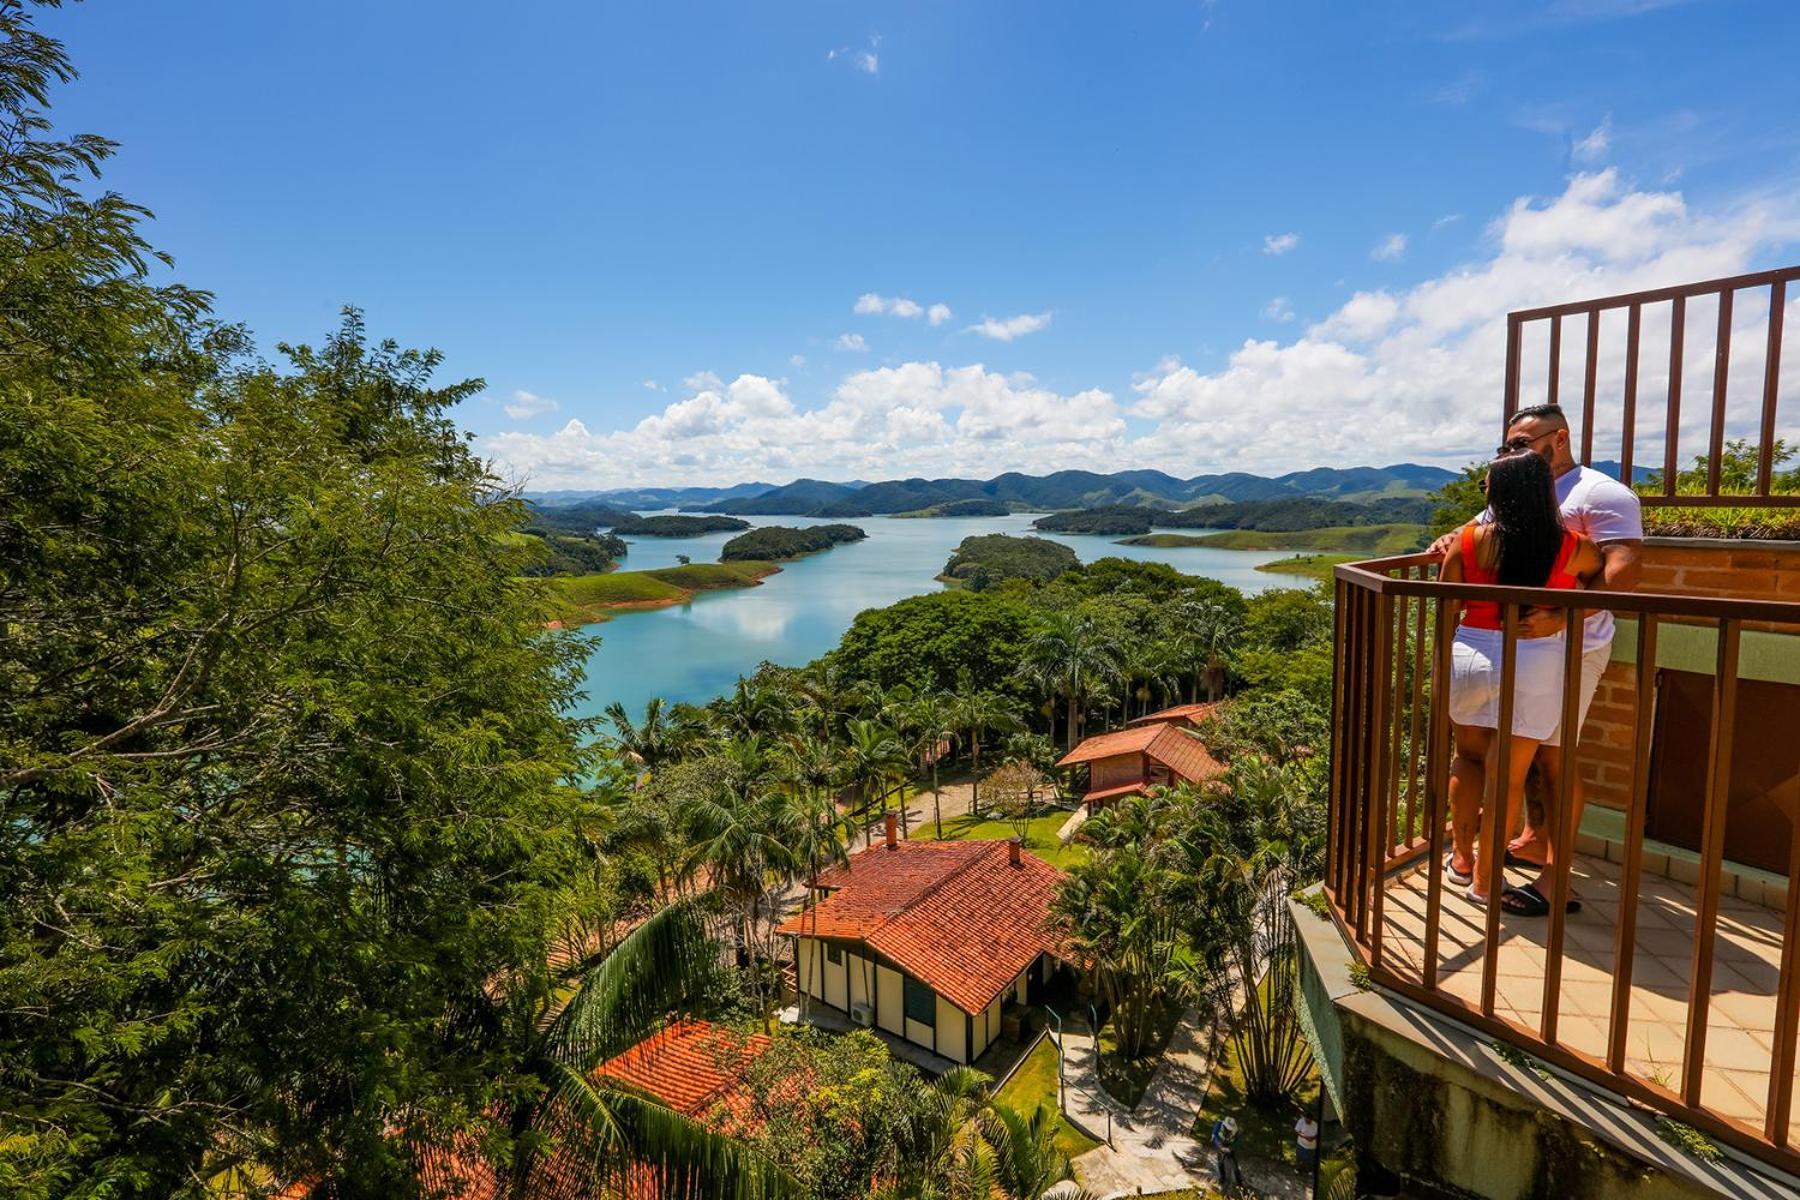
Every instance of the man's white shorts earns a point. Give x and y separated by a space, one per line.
1593 665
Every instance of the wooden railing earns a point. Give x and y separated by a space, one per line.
1391 754
1650 305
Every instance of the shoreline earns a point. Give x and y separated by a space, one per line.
671 585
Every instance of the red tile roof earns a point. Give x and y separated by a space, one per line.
956 916
689 1065
1181 752
1181 712
1113 793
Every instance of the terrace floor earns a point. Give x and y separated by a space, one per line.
1740 1016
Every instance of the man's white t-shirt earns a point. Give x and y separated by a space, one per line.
1306 1132
1603 510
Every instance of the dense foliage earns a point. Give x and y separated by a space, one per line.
678 526
982 561
578 517
574 554
1300 513
1114 520
968 508
772 543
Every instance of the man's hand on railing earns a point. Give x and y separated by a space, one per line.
1442 546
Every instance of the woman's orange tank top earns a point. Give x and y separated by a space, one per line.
1485 614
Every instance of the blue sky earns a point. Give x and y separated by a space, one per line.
1215 232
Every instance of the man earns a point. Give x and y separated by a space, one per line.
1607 512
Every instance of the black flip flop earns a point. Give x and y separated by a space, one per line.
1527 901
1514 860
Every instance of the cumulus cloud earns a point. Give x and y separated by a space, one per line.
650 385
525 405
873 304
1279 309
918 417
1416 374
1391 248
1280 243
796 360
852 342
867 61
1006 329
1594 146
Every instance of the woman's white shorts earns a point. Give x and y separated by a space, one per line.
1537 682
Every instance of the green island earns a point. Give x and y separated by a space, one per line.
1114 519
679 526
984 560
1313 566
585 599
776 542
961 508
1365 539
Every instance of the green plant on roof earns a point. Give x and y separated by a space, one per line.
1688 1140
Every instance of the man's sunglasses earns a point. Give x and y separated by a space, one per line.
1521 443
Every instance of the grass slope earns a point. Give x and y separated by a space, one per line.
1313 566
1363 539
1034 1083
1040 835
580 599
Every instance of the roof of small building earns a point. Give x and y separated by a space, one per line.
1113 793
959 917
1181 712
1168 744
688 1065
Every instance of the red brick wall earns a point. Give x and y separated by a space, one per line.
1750 571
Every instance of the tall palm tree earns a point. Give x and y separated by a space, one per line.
648 743
981 712
873 759
933 720
1210 632
1069 652
587 1124
961 1145
820 831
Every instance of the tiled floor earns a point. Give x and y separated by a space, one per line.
1746 967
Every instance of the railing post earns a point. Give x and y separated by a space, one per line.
1631 875
1494 792
1712 855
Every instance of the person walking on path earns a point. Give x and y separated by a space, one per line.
1306 1139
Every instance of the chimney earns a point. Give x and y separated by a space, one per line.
893 831
1012 851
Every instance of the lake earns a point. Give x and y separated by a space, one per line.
694 652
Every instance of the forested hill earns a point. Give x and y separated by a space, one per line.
1075 489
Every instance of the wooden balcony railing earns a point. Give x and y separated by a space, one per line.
1645 310
1391 755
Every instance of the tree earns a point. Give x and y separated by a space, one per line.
1068 652
1117 912
819 830
873 759
1015 790
980 712
933 719
651 742
1210 631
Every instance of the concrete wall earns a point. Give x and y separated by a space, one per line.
890 1002
956 1035
952 1031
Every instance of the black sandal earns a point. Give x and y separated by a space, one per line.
1525 901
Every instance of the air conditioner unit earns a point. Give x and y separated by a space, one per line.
863 1015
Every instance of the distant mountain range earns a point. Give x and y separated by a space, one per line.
1059 490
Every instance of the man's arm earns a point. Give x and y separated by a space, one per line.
1622 566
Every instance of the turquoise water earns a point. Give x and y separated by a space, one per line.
694 652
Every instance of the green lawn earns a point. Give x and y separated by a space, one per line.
1040 835
578 599
1034 1083
1313 566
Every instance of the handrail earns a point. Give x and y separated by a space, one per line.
1364 575
1713 495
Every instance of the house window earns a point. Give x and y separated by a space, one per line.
834 954
921 1003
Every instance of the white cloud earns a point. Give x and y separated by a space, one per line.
1391 248
1005 329
525 405
918 417
867 61
650 385
852 341
796 360
1279 309
937 314
1416 374
1594 146
871 304
1280 243
1445 222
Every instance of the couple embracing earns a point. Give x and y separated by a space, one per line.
1552 523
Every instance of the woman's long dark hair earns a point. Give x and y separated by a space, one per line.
1521 494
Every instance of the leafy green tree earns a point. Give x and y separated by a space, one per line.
1459 501
980 712
1116 912
1210 631
930 640
653 741
933 718
874 760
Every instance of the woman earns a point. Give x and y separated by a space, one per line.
1523 544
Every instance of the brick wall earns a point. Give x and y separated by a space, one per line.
1750 571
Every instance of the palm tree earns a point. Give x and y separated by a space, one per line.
584 1123
1070 652
820 831
981 712
873 758
648 743
1117 910
933 720
1210 632
961 1145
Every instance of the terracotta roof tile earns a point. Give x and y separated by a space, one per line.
956 916
1109 745
687 1066
1184 754
1181 712
1113 793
